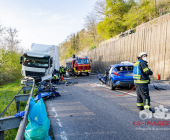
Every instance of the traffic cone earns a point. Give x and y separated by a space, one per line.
158 77
62 78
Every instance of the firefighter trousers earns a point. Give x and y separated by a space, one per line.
143 98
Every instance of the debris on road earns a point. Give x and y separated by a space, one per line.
158 88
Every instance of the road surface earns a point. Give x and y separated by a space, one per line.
88 110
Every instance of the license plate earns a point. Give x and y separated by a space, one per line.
128 74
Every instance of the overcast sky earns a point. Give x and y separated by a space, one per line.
44 22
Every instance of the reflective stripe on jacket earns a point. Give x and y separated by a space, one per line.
55 77
137 73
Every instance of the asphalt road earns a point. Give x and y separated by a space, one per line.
91 111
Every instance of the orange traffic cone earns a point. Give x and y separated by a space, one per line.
62 78
158 77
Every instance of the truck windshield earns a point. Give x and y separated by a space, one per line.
83 61
35 62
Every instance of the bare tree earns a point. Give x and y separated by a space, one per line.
11 41
20 50
1 34
1 29
90 24
99 9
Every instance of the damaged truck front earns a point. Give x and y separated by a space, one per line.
40 62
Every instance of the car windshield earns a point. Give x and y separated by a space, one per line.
83 61
124 68
35 62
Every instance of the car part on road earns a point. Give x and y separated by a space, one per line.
104 78
66 84
157 88
75 82
46 91
69 83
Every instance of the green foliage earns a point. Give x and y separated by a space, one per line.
113 21
93 46
10 69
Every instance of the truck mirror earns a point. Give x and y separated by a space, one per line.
21 58
90 60
51 61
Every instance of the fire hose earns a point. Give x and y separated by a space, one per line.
106 90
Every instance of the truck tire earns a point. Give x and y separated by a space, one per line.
87 74
111 85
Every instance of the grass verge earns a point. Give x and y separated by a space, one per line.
7 93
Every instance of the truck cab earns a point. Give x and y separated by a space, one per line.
40 62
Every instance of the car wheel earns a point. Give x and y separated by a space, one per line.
87 74
80 74
111 85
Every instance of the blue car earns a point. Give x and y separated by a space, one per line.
121 75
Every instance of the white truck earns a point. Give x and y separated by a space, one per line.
40 61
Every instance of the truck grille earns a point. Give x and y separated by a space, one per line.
34 74
83 68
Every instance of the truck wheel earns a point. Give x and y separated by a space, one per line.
87 74
111 85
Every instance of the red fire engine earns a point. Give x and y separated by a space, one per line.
78 65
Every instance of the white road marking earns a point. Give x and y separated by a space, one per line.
59 123
63 133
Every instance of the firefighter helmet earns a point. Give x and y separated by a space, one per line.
142 53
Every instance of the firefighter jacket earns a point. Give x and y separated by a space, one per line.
141 72
62 69
55 77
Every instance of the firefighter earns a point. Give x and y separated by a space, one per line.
65 69
55 79
141 74
61 70
74 61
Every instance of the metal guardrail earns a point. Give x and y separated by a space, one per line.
11 122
